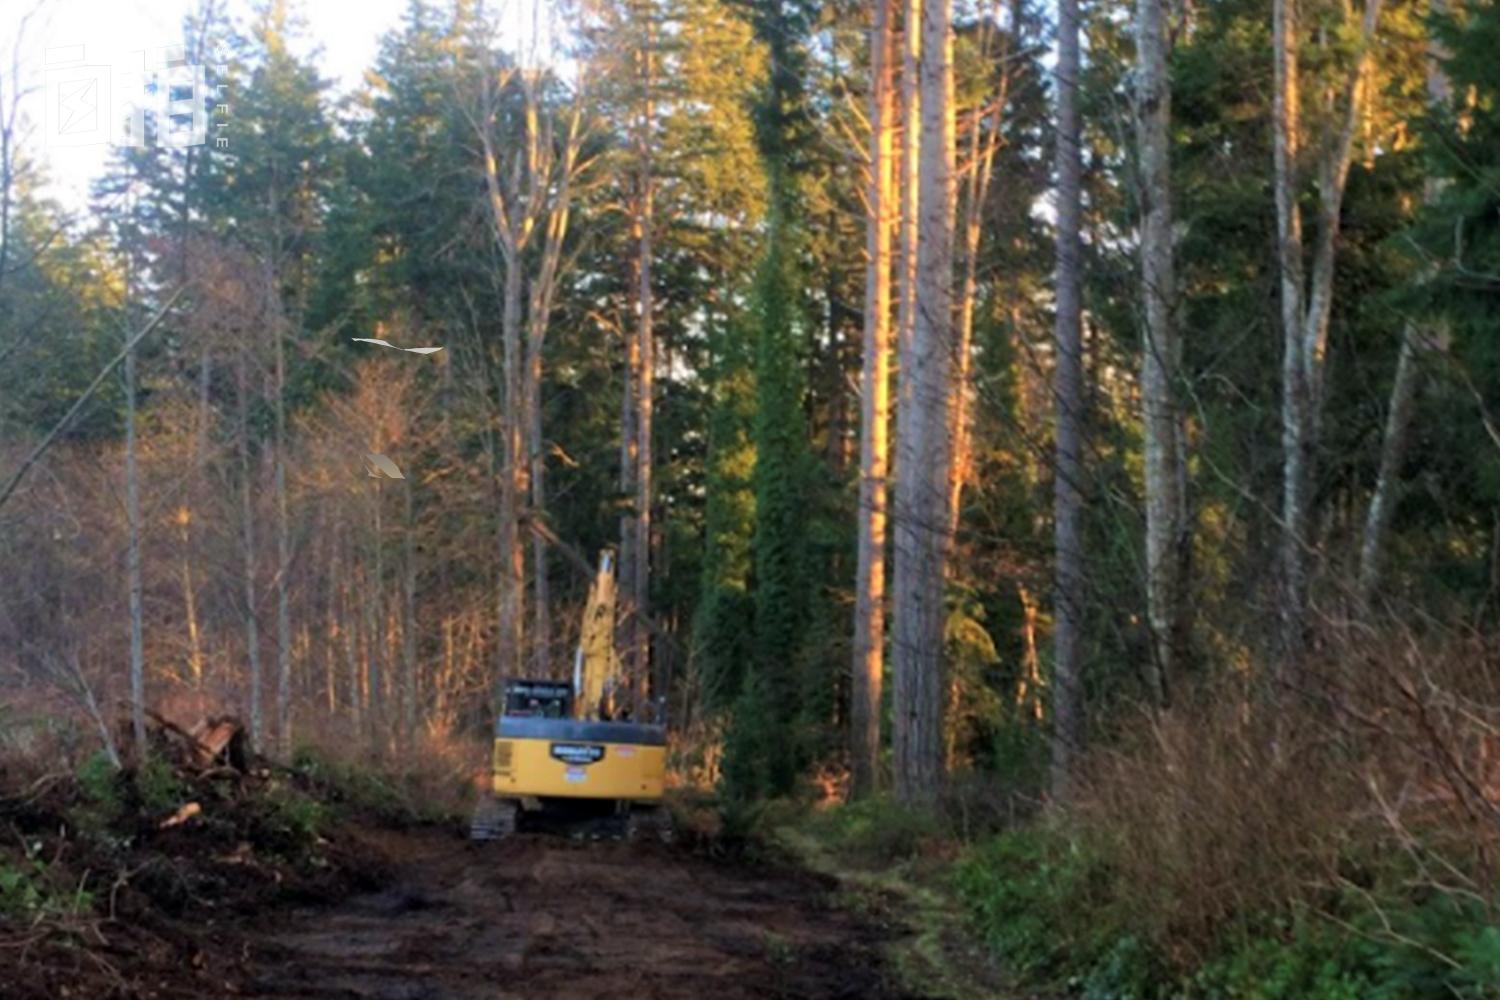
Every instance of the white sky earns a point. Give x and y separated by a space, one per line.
344 33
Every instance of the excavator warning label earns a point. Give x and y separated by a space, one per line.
577 753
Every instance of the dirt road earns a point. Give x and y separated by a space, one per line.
547 917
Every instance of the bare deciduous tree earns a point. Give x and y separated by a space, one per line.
1306 298
529 180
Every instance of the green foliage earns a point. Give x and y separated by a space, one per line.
1033 894
289 823
359 789
157 785
779 543
98 781
28 889
1044 902
721 638
874 832
1309 962
101 799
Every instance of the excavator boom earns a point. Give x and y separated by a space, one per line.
596 665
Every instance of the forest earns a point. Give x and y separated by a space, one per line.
1051 451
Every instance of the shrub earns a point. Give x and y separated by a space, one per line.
98 781
1036 897
875 832
157 785
29 889
348 784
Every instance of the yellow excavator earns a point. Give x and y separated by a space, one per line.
571 752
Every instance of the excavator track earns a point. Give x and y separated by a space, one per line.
494 818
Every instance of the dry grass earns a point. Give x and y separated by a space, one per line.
1377 767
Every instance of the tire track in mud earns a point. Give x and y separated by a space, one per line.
539 916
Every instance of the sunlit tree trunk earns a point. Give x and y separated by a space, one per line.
924 436
512 478
875 397
646 376
983 143
629 470
1067 637
911 148
529 197
190 597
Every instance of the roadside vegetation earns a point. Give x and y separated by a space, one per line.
1339 849
114 876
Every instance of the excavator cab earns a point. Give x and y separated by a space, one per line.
538 699
570 750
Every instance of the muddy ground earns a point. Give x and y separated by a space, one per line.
536 916
542 916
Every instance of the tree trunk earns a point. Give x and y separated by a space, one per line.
409 625
911 149
185 514
925 436
1067 670
133 561
982 149
1285 115
1161 350
629 469
512 479
645 391
869 582
190 599
247 535
375 660
541 610
283 559
1392 455
1404 388
1305 324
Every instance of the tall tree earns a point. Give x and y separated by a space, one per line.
981 144
133 530
869 580
530 176
643 222
1068 402
1414 338
293 127
924 434
1306 298
1161 352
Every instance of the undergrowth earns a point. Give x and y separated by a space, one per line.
1331 848
1047 904
1334 846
